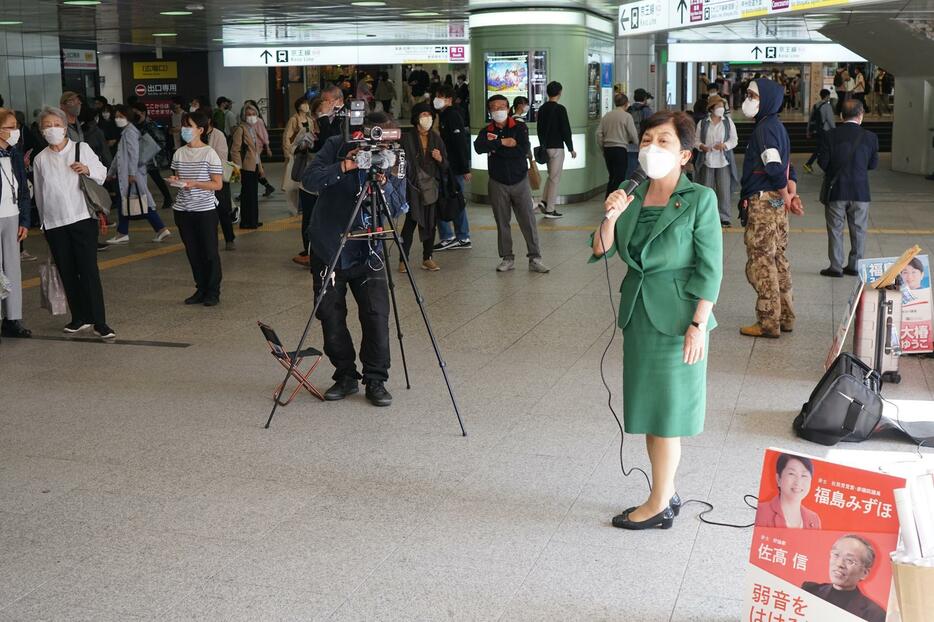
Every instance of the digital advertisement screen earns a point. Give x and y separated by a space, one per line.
507 74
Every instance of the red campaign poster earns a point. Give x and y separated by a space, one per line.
821 544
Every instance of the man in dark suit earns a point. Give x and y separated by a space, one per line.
851 560
847 155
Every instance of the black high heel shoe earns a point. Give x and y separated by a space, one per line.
676 504
663 520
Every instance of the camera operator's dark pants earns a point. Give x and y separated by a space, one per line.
371 292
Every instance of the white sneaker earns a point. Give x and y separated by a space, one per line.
506 265
119 239
162 235
26 256
536 265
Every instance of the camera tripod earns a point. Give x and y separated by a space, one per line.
379 213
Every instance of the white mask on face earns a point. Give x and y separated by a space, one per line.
425 122
751 107
438 103
14 137
105 116
718 111
193 108
657 162
54 135
251 119
499 115
121 122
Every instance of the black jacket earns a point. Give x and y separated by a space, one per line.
417 159
507 165
337 197
837 159
854 601
554 129
22 195
456 137
328 127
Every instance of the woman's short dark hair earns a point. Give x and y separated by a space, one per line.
684 126
129 113
298 103
198 118
784 459
518 101
446 91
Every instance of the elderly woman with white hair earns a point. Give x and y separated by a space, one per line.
244 152
70 226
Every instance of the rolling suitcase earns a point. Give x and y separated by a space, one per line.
878 326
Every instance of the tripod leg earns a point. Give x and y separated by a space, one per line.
395 309
324 288
384 209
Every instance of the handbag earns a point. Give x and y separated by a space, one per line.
827 186
148 148
535 178
301 158
427 187
452 202
51 290
134 205
231 173
844 406
96 196
540 154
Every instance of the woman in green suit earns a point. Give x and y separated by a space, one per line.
668 234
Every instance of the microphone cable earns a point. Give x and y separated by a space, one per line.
633 182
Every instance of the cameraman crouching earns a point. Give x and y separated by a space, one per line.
335 177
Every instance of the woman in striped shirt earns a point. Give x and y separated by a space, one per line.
198 174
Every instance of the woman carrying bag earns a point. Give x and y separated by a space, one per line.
299 124
244 152
428 160
132 180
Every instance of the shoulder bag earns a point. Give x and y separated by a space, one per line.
826 188
535 178
541 155
452 201
96 196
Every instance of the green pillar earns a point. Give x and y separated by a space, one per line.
578 52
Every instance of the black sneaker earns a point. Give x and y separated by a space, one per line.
101 247
195 299
75 327
462 244
211 301
444 245
15 329
104 332
269 191
553 214
341 389
377 394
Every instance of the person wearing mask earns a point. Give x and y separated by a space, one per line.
715 166
667 233
507 144
419 81
145 125
554 133
819 124
94 136
385 92
198 174
320 109
849 153
244 152
70 229
70 103
616 135
110 129
427 162
299 125
263 145
131 176
456 137
769 190
462 98
175 122
217 141
333 174
15 210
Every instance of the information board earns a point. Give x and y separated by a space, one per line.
346 55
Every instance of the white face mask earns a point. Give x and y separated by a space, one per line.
54 135
718 111
105 116
121 122
251 119
14 137
438 103
193 108
751 107
657 162
425 122
499 115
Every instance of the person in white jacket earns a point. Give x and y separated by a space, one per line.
70 228
715 166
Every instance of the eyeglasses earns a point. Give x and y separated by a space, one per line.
850 562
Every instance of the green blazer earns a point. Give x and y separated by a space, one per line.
681 263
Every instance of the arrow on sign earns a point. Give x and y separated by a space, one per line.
266 55
622 22
756 51
682 7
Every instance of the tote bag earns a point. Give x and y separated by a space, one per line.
51 290
134 205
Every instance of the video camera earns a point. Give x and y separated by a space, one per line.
377 148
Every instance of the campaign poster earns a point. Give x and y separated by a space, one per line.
821 543
916 330
507 74
843 328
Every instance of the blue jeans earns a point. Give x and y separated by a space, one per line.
461 228
123 226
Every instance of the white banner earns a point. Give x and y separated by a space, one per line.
766 52
346 55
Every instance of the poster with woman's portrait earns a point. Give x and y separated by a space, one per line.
916 328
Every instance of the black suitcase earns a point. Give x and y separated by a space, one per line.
844 406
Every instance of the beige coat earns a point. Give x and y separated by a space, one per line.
292 129
243 150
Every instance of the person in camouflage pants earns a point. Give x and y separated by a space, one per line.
767 268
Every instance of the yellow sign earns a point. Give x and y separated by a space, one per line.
156 69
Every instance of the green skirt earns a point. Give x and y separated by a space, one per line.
661 395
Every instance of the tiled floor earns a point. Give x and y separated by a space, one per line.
137 482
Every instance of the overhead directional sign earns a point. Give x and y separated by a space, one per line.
346 55
767 52
645 16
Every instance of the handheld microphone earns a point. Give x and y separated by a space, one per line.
630 185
